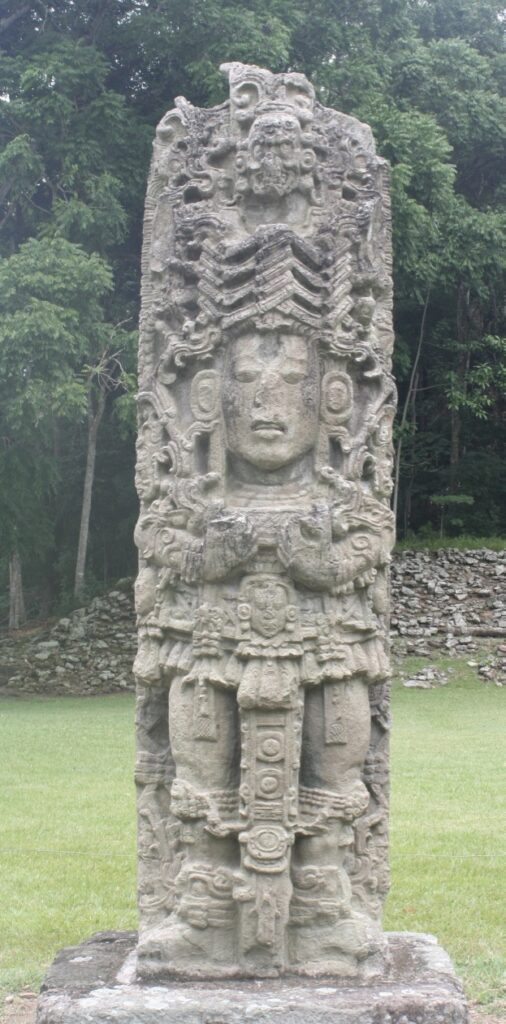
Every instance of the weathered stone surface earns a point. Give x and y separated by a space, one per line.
94 983
264 473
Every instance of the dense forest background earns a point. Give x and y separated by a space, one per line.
83 84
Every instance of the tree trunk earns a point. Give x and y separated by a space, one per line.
463 364
455 425
409 398
94 420
17 613
411 479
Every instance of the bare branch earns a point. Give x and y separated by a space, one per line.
407 403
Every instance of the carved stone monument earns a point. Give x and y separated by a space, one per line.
264 474
264 466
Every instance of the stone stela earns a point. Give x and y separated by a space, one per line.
264 473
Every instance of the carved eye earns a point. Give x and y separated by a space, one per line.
246 376
293 376
360 542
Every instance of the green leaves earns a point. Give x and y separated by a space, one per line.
51 318
483 384
83 85
452 499
57 272
97 220
21 169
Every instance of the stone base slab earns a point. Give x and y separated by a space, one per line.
95 983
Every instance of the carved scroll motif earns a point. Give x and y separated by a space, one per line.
264 467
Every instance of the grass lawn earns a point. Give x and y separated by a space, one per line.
448 823
67 843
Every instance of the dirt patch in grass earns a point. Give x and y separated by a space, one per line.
19 1009
480 1015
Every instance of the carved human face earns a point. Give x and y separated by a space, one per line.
271 398
337 396
274 155
269 604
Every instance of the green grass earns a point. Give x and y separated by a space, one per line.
448 822
67 843
67 860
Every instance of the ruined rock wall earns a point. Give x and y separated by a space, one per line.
448 600
89 651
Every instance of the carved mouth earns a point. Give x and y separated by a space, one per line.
269 428
275 180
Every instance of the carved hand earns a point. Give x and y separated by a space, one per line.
230 542
305 548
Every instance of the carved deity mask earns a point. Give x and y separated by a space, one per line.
271 398
273 157
269 606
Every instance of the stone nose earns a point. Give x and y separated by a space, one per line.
266 389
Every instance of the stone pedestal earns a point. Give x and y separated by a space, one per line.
95 983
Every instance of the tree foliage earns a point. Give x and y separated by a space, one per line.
83 83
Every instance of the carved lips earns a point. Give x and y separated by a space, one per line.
269 429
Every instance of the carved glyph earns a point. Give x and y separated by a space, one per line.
264 466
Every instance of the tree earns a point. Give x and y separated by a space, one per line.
68 152
106 377
51 305
83 85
